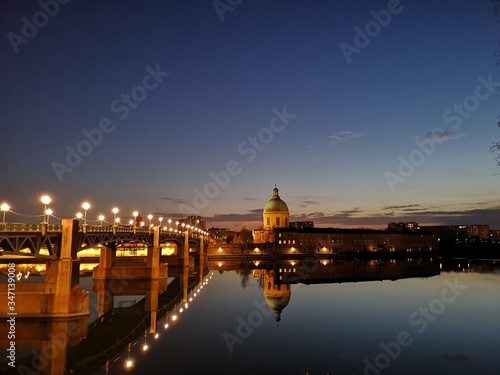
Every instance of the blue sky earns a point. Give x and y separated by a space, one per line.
330 129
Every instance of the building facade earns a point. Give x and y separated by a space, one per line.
287 238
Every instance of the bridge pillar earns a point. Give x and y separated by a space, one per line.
45 343
202 261
106 259
131 267
151 304
65 296
105 302
154 254
60 295
185 250
185 283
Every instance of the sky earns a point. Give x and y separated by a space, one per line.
361 112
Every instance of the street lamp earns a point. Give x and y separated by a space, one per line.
4 207
160 219
169 221
45 201
149 220
101 218
135 214
115 211
85 206
79 215
48 212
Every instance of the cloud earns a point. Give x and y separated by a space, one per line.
439 136
175 200
345 135
356 218
400 207
347 213
247 217
309 216
308 203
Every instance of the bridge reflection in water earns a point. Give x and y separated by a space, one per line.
61 346
64 345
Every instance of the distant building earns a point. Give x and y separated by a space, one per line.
495 234
482 231
305 238
403 226
458 233
217 232
338 240
302 224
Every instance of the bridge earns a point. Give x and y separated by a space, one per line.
44 241
61 295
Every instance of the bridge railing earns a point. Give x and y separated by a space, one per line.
111 228
45 228
23 227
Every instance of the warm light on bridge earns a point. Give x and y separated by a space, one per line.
5 208
45 201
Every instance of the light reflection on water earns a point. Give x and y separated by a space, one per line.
446 323
342 328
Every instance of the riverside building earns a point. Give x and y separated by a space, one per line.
278 236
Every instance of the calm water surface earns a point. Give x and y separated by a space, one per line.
417 317
443 324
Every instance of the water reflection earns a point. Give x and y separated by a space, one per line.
276 276
131 317
126 314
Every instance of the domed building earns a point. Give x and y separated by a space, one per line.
275 214
277 296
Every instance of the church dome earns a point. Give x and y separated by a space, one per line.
276 204
277 304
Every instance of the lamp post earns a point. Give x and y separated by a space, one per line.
169 222
48 212
4 207
135 214
45 201
115 211
160 219
101 218
149 220
85 206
